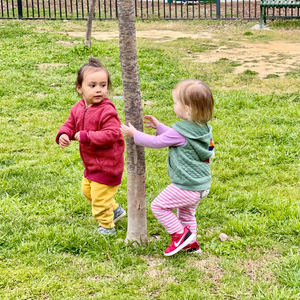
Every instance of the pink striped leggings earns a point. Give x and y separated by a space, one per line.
184 201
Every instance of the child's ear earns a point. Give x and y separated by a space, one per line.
78 88
187 109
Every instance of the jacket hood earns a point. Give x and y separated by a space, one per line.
199 137
193 130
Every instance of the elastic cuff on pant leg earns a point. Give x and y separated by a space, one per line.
115 206
175 230
107 226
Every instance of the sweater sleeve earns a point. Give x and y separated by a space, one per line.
69 127
167 139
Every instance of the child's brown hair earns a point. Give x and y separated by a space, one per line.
92 66
197 95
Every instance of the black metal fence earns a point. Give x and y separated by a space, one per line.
144 9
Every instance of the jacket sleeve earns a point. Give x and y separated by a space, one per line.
69 127
109 134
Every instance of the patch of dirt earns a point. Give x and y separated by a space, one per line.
150 103
152 261
95 277
265 58
65 43
154 272
40 95
158 35
210 266
50 66
258 269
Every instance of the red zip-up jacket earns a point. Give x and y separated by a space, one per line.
101 141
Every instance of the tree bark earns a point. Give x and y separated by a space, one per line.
136 179
88 32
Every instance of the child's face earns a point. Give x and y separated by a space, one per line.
180 110
93 88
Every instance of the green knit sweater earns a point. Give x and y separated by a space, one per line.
187 167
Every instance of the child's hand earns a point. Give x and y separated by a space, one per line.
128 130
77 136
152 122
64 141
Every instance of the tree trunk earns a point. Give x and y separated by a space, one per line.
88 33
136 179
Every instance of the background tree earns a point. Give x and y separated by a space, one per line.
88 33
136 186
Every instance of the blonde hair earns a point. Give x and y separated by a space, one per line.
197 95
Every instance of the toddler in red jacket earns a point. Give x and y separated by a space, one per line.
95 124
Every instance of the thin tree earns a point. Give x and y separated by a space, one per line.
88 33
136 186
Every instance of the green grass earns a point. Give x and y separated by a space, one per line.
49 248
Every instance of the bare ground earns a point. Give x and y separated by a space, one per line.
272 57
264 58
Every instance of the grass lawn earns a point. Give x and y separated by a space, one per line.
49 248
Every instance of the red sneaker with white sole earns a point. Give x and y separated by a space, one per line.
179 241
192 247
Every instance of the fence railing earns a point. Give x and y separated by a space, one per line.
144 9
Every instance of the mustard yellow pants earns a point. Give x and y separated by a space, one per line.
101 198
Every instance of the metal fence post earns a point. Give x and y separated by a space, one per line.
117 9
20 9
218 9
